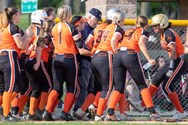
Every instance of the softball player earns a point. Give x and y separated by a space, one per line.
12 42
126 58
102 60
173 69
36 69
64 66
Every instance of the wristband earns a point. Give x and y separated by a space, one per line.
171 64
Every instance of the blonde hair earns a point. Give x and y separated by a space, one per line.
141 21
64 12
7 15
118 16
44 35
48 25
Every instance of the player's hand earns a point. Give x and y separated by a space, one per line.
169 73
29 31
36 66
152 61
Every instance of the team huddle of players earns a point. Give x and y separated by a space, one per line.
87 54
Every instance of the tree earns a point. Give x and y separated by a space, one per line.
151 8
168 8
145 9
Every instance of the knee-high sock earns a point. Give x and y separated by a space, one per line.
22 101
43 100
32 106
122 104
15 102
146 97
101 106
72 103
114 98
51 99
88 101
175 100
96 101
152 89
68 102
7 98
54 105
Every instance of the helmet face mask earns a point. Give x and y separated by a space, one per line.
161 20
38 16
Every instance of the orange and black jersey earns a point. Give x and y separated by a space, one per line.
131 42
46 50
64 36
7 42
105 43
171 37
97 35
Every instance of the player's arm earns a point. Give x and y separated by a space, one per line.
21 41
89 41
170 39
77 37
172 51
38 57
84 52
79 44
142 44
114 41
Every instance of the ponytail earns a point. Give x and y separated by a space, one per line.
5 19
44 37
7 15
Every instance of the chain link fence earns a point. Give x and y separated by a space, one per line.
162 104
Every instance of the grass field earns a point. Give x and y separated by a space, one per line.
95 123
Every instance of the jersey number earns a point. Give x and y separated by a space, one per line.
105 34
99 36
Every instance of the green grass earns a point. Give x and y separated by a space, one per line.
89 123
24 22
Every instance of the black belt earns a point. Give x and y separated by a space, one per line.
68 55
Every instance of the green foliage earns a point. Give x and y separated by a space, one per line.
168 8
156 7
